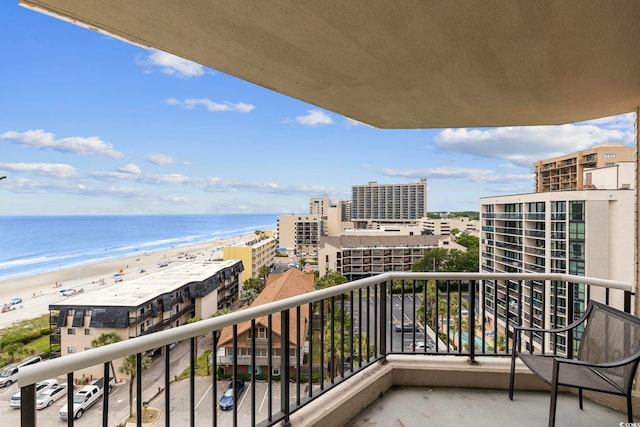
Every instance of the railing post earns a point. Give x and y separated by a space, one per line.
167 384
105 396
570 306
139 389
471 335
28 405
627 302
383 319
71 381
192 381
284 366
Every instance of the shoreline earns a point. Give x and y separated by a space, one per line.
39 290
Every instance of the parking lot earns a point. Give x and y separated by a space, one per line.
179 392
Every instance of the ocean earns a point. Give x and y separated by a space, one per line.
37 244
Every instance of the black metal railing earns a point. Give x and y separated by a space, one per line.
317 340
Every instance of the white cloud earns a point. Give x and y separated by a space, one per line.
314 118
171 65
523 145
130 168
55 170
21 185
212 106
467 174
160 159
38 138
172 178
133 173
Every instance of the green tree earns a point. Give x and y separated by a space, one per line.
263 274
331 278
469 241
433 260
255 284
248 296
129 367
106 339
341 343
221 312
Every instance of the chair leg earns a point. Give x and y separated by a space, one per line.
629 408
580 397
512 378
554 394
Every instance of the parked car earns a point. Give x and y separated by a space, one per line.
82 400
406 327
16 300
68 292
226 401
9 374
42 386
420 345
45 398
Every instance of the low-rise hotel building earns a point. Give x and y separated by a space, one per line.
279 286
151 303
254 254
356 257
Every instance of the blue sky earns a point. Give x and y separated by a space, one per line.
94 125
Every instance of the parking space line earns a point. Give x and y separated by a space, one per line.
203 396
263 399
244 396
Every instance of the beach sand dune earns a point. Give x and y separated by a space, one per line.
39 290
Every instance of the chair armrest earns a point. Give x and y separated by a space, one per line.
615 364
573 325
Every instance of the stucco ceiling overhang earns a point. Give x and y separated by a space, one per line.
401 64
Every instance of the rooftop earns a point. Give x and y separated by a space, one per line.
134 292
382 241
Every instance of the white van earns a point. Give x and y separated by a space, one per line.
9 374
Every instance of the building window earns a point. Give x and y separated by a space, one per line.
71 331
609 156
88 331
262 332
71 350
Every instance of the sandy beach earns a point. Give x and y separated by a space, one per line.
39 290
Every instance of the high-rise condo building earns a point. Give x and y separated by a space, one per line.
388 203
583 233
566 172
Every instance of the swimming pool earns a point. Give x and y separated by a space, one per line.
465 340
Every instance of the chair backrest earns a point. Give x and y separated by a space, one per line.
609 336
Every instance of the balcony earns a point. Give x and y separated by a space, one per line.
357 352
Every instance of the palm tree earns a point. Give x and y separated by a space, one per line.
129 367
106 339
263 274
341 343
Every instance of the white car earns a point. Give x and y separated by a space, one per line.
46 398
15 400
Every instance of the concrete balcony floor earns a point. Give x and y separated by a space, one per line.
438 406
408 391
